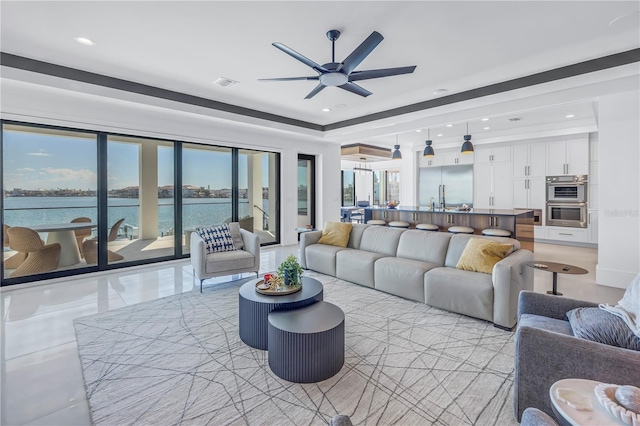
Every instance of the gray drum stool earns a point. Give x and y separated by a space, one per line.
399 224
494 232
306 345
377 222
461 230
427 227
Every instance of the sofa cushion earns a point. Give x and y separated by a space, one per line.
545 323
356 266
217 238
464 292
601 326
322 258
459 242
424 246
228 261
356 235
402 277
335 234
380 239
481 255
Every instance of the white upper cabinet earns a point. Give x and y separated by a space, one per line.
528 160
454 157
490 155
492 184
568 157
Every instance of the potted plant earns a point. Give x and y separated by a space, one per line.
290 271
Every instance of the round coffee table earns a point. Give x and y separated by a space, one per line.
598 416
254 309
556 268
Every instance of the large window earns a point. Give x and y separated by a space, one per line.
49 198
348 188
76 201
258 194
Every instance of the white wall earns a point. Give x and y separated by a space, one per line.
619 189
46 105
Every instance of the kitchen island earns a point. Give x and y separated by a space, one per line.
518 222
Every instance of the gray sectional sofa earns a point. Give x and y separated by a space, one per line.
421 266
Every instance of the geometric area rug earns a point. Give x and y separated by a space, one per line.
179 360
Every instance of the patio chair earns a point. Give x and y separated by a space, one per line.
90 247
39 258
81 234
14 261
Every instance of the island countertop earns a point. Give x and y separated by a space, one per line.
426 209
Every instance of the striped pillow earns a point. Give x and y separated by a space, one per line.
217 239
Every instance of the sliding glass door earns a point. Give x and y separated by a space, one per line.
77 201
306 191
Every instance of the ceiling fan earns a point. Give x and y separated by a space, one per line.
342 74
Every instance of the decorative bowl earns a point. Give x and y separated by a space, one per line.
362 204
391 205
605 394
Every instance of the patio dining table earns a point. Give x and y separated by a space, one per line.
63 234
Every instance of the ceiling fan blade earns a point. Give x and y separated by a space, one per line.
301 58
315 91
361 52
386 72
354 88
289 78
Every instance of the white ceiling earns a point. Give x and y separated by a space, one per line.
457 45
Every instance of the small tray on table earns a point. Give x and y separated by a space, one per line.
271 291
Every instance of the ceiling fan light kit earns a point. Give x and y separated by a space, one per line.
342 74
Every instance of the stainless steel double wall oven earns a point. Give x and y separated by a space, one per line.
567 201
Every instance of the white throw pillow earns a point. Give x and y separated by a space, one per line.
217 239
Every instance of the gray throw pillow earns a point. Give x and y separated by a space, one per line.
601 326
234 229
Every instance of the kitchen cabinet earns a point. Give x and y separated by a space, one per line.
528 160
434 161
592 226
491 155
528 193
569 157
561 233
454 157
492 183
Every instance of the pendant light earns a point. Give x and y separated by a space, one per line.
397 155
428 150
467 146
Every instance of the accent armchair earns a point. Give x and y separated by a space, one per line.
546 351
246 259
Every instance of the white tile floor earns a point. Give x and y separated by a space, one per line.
41 381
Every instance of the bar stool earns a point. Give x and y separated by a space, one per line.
495 232
377 222
427 227
399 224
460 230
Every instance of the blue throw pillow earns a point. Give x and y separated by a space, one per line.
217 239
601 326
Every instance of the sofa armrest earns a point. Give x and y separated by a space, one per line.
547 305
198 254
543 357
510 276
306 239
252 245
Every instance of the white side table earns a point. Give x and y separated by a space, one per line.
598 417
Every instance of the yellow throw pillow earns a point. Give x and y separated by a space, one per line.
335 234
481 255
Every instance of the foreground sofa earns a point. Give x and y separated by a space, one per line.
547 351
421 266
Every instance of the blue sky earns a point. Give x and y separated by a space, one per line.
38 161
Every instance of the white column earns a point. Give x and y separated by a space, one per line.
148 190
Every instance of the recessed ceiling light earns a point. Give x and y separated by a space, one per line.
486 128
339 106
570 115
485 119
418 131
326 109
440 92
449 125
84 40
440 134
